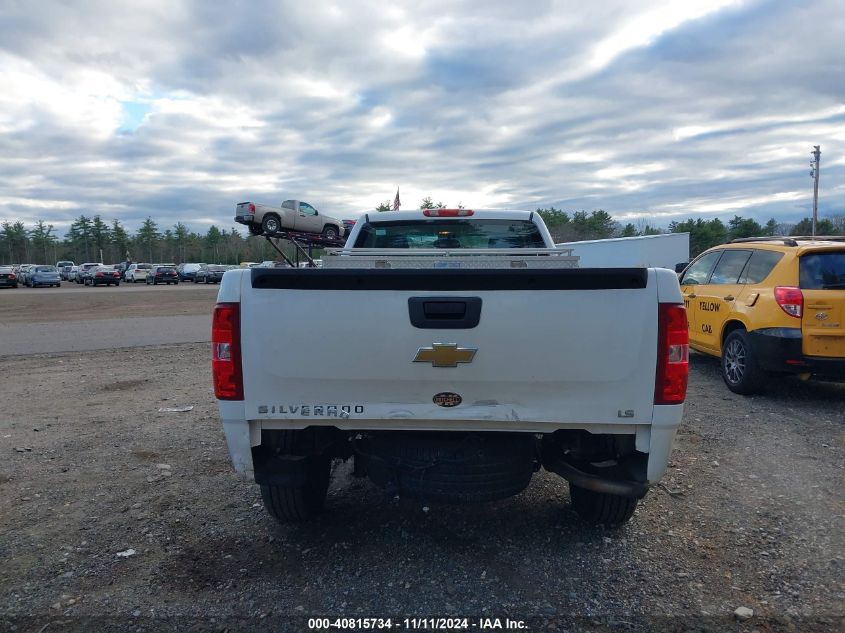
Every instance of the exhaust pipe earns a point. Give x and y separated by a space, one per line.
635 489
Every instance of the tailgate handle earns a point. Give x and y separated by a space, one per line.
444 313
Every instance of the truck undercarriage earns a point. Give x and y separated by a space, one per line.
293 466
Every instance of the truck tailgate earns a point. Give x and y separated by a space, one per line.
550 346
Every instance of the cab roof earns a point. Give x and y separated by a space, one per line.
417 214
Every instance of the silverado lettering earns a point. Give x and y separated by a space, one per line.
317 410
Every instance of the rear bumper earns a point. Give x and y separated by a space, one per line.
655 439
245 219
779 350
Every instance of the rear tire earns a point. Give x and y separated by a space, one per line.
599 508
295 504
331 232
740 370
271 223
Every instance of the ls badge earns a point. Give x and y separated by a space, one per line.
445 355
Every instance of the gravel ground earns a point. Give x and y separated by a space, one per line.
749 515
74 302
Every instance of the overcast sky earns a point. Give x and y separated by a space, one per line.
656 109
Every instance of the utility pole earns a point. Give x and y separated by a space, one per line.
814 172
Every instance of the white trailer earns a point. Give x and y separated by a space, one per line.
647 251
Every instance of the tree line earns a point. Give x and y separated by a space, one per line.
704 234
93 239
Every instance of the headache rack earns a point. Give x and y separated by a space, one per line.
440 258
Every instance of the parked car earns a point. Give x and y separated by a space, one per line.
210 274
8 277
163 275
64 272
293 215
769 305
71 275
348 225
136 273
187 272
60 265
23 272
84 270
121 267
43 276
103 276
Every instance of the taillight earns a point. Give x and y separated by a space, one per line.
11 275
791 300
226 352
251 208
670 384
447 213
98 274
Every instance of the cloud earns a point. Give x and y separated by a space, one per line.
179 110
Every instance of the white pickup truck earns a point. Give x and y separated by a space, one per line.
451 354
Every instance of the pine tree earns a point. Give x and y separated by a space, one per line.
148 237
119 239
42 240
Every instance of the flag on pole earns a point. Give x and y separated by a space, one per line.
396 203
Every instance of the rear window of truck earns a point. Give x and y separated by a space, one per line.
823 271
450 234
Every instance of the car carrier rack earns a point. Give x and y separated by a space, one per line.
304 245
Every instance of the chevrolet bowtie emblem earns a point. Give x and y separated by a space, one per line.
445 355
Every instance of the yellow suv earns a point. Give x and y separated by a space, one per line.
769 305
